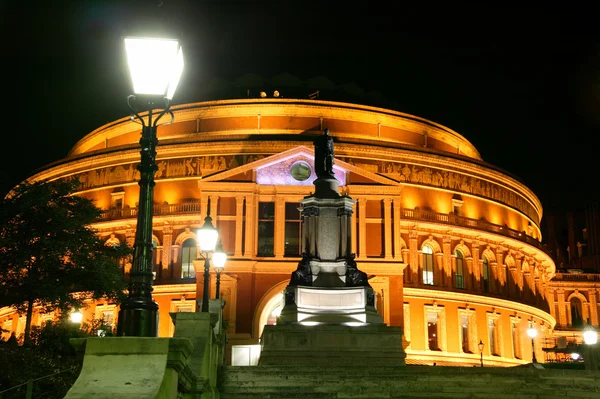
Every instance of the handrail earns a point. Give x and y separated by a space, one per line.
411 214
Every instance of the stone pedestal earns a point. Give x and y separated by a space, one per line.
332 345
340 305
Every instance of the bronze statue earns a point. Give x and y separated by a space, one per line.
324 155
355 277
303 274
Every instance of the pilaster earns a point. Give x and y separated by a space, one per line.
413 248
593 306
447 260
239 223
362 227
167 243
397 237
279 226
562 315
250 247
387 220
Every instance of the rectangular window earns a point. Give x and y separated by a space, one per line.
492 337
464 333
432 331
516 341
266 229
460 271
293 229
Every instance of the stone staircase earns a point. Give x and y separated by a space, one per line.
319 382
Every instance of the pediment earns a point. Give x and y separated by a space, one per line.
290 168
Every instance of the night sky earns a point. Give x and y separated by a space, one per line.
522 84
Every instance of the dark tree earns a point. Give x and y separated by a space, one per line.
49 254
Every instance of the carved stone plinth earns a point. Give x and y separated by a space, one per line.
340 305
332 345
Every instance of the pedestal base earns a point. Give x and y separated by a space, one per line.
332 345
338 305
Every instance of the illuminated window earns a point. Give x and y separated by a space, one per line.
576 312
266 228
460 266
432 332
493 337
486 275
516 340
464 333
293 229
427 265
188 255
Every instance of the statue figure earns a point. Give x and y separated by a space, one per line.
355 277
324 155
302 275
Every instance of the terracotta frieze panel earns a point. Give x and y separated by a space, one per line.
428 176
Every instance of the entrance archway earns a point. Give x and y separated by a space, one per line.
268 308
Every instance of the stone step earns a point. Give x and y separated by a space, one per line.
406 382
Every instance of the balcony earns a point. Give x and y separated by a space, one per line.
407 214
158 210
479 224
576 277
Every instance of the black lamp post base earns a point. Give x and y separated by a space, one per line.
138 319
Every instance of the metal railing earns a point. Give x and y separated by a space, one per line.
577 277
479 224
411 214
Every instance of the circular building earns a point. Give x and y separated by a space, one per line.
451 244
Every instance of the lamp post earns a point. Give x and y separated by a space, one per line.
590 356
481 345
155 66
219 257
532 333
207 240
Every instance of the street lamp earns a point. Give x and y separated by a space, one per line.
532 333
155 66
76 316
207 240
219 257
575 356
590 336
481 345
590 356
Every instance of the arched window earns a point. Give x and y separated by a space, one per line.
486 274
427 265
460 267
576 312
188 255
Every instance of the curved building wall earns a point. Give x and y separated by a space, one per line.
452 245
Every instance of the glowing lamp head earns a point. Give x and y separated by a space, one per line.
207 236
590 336
76 316
219 257
532 332
155 65
480 345
575 356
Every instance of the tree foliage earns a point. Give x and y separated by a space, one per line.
49 254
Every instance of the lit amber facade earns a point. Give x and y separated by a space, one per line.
452 244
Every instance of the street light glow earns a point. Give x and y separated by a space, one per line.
207 236
532 332
155 65
76 316
590 336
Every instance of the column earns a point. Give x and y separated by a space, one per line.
239 223
167 242
413 249
397 237
501 270
203 206
353 228
387 223
250 247
362 227
551 303
477 281
214 203
279 238
447 260
562 316
593 306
